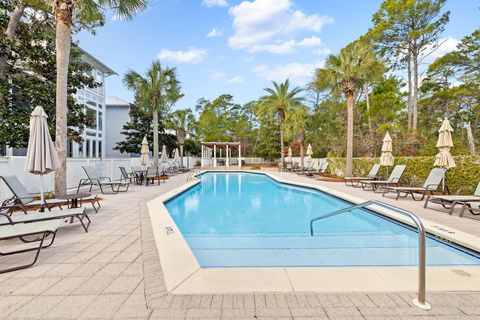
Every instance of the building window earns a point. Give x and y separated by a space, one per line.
80 149
99 148
87 150
94 148
70 148
100 121
92 115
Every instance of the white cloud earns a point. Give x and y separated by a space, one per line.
322 51
446 45
298 73
215 3
190 56
272 25
215 32
236 79
217 74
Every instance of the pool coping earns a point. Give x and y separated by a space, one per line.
183 275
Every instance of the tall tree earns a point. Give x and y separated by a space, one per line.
280 102
406 31
183 122
297 127
87 12
154 93
139 126
31 79
347 73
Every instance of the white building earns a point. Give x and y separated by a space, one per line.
93 145
117 115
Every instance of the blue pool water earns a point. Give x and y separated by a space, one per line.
249 220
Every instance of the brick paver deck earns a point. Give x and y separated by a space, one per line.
113 272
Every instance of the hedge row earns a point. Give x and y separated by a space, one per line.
463 178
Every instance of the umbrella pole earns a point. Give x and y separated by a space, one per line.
443 180
42 198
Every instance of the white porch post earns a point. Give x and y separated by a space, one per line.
214 155
239 155
227 164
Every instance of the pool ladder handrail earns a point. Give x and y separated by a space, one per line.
192 174
420 300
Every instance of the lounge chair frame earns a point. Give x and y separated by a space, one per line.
21 199
76 213
429 187
355 181
22 236
101 182
450 202
379 185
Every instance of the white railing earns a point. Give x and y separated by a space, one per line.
105 167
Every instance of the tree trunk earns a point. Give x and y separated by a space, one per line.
181 155
10 32
63 15
410 100
282 146
301 154
155 136
349 169
415 95
470 138
371 131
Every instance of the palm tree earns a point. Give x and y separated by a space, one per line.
154 93
87 12
346 73
182 121
297 128
280 101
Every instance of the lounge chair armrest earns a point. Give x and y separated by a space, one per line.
8 217
105 178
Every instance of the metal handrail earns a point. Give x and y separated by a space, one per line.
192 174
420 300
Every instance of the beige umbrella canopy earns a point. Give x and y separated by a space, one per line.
176 156
386 159
164 157
42 158
444 159
144 152
289 156
309 153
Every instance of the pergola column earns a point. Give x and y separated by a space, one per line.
227 161
214 155
239 155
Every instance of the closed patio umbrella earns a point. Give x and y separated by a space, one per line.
144 152
309 153
176 156
289 157
164 157
444 159
386 159
42 158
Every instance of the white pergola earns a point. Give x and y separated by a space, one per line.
209 153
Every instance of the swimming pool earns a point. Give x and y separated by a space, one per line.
249 220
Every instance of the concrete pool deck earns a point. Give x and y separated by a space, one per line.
114 272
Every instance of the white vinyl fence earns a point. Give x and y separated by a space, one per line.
105 168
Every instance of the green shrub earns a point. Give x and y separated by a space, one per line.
464 177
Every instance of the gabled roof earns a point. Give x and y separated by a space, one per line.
115 101
88 58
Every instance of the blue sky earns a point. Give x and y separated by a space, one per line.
238 47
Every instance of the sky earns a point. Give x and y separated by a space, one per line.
239 47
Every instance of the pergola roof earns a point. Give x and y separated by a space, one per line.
221 144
